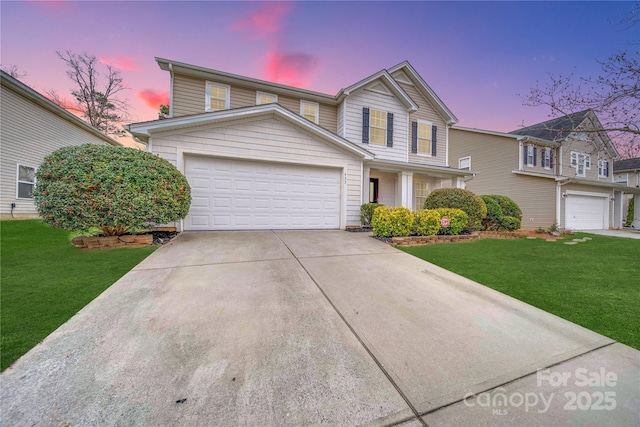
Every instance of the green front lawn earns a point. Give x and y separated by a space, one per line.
44 281
595 284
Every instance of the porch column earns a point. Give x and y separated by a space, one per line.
457 182
618 208
404 194
366 171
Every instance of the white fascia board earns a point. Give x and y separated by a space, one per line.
442 171
149 128
425 89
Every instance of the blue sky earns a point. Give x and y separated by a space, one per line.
477 56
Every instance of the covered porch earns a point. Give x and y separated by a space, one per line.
405 184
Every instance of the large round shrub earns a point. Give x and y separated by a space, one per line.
117 189
510 223
494 214
426 222
391 222
459 198
458 220
508 206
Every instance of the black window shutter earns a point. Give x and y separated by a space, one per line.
414 137
365 125
525 151
434 139
389 129
551 158
535 155
606 170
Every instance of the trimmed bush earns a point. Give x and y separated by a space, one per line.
510 223
630 214
459 198
426 222
391 222
366 213
458 220
508 206
494 214
116 189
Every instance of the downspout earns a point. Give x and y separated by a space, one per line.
171 90
559 183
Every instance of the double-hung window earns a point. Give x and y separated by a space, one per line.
309 110
26 181
581 162
546 158
603 168
464 163
265 98
530 155
217 97
421 192
424 138
377 127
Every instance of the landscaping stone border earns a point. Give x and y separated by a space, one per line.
476 235
125 241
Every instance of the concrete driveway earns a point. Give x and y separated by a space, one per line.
627 233
314 327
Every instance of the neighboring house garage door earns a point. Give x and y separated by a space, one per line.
586 212
244 195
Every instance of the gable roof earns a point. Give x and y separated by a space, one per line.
558 129
425 90
554 129
626 165
26 92
385 77
144 130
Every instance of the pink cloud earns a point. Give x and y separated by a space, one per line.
153 98
264 21
293 69
121 62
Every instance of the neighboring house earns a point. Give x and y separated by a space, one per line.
31 127
261 155
559 171
627 172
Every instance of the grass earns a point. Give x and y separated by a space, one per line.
595 284
45 281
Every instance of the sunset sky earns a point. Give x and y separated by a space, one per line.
477 56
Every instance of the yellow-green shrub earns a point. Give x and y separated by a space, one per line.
458 220
391 222
426 222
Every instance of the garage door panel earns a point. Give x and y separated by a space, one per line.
585 212
238 194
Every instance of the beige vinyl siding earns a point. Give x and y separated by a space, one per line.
266 140
28 133
387 184
378 101
588 148
539 168
426 112
188 95
340 119
586 189
494 158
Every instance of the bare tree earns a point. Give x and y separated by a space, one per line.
97 102
614 95
13 71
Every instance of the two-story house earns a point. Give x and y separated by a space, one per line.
32 128
261 155
559 171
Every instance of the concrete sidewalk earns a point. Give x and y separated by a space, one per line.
313 327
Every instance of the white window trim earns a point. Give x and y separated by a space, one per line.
315 104
207 96
546 158
430 154
386 115
464 158
530 155
575 155
602 167
24 182
259 96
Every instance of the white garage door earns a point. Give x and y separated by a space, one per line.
244 195
586 212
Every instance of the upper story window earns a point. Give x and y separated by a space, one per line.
547 158
377 127
603 168
309 110
265 98
424 138
217 97
464 163
530 155
25 182
581 162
